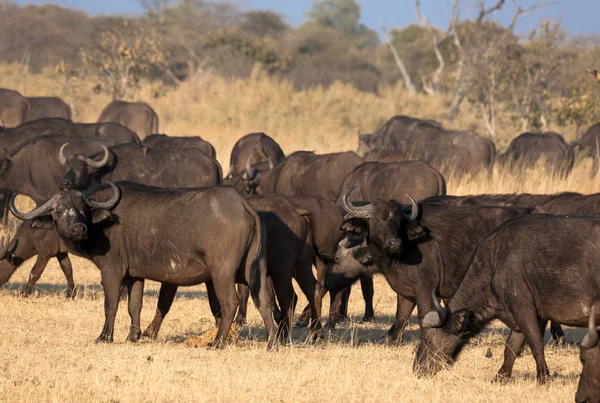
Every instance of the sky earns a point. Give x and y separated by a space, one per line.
577 16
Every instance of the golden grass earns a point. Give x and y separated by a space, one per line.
46 342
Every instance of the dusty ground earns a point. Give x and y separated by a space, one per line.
47 353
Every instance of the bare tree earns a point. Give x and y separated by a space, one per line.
407 80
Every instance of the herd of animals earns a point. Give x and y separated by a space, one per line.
142 205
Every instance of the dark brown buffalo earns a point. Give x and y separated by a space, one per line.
529 149
416 252
574 204
326 234
448 151
253 148
508 199
14 108
138 117
305 174
178 237
164 141
167 168
589 144
375 180
36 237
13 138
527 271
48 107
589 382
34 169
289 255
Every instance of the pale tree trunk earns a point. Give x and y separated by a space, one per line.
407 81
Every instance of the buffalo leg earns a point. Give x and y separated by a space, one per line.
530 326
338 304
36 273
322 270
284 291
366 285
111 283
224 288
135 293
558 335
243 295
65 265
404 309
310 287
166 295
514 345
213 302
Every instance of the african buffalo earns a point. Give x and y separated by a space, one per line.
326 234
252 148
527 271
164 141
590 145
375 180
167 168
13 138
448 151
589 382
528 149
416 252
289 255
14 108
34 169
574 204
48 107
136 116
304 173
35 237
141 232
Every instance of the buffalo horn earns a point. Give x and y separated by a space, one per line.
250 172
590 340
437 318
230 173
61 154
414 212
355 211
43 209
99 164
109 204
4 247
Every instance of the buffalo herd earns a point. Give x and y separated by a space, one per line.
147 206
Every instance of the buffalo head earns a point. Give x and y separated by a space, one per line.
366 143
352 261
72 211
589 382
81 169
388 227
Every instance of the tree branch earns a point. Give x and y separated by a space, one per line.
407 81
484 12
522 11
435 79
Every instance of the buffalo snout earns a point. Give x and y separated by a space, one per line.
78 230
393 245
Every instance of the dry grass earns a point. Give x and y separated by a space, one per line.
46 342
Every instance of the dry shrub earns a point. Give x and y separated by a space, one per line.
209 336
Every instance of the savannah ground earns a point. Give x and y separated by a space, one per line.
47 350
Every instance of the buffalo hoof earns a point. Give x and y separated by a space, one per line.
25 293
149 334
71 294
104 338
367 318
501 377
134 335
216 345
241 321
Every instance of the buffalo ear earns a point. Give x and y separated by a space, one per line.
363 256
356 226
415 231
99 215
43 222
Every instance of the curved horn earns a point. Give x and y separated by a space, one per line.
43 209
250 172
590 340
99 164
261 152
109 204
230 173
355 211
4 247
437 318
414 213
271 163
61 154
